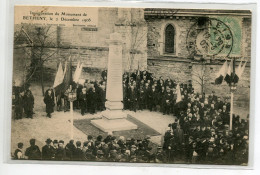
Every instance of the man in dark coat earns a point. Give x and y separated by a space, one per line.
33 152
55 148
18 106
18 153
161 95
125 95
179 140
83 101
59 97
49 101
141 99
153 99
47 150
167 100
70 149
104 75
219 104
91 100
132 98
28 103
61 152
78 153
146 95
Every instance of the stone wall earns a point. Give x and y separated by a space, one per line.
182 71
89 44
93 46
179 67
247 32
182 25
156 38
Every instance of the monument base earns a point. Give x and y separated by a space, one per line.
114 120
113 125
114 114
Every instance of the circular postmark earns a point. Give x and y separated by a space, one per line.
209 36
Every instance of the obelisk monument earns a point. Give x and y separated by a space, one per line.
113 118
114 90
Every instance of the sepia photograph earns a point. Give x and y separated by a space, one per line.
131 85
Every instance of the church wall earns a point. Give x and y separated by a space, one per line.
156 38
182 71
178 67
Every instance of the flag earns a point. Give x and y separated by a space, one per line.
77 73
231 77
65 68
59 76
229 71
221 73
60 88
178 89
67 75
239 74
238 70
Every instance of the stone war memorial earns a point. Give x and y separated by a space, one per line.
138 85
114 119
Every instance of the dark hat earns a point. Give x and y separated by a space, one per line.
99 137
72 141
61 141
78 143
55 141
48 141
20 145
32 141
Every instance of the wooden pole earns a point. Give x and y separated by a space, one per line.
71 115
231 110
232 88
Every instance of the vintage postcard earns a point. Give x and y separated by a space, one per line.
139 85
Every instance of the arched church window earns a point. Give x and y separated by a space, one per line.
169 39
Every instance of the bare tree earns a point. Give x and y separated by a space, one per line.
135 31
199 76
43 48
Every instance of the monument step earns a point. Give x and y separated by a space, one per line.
113 114
113 125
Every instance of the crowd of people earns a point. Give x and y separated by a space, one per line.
110 149
23 101
200 133
197 150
